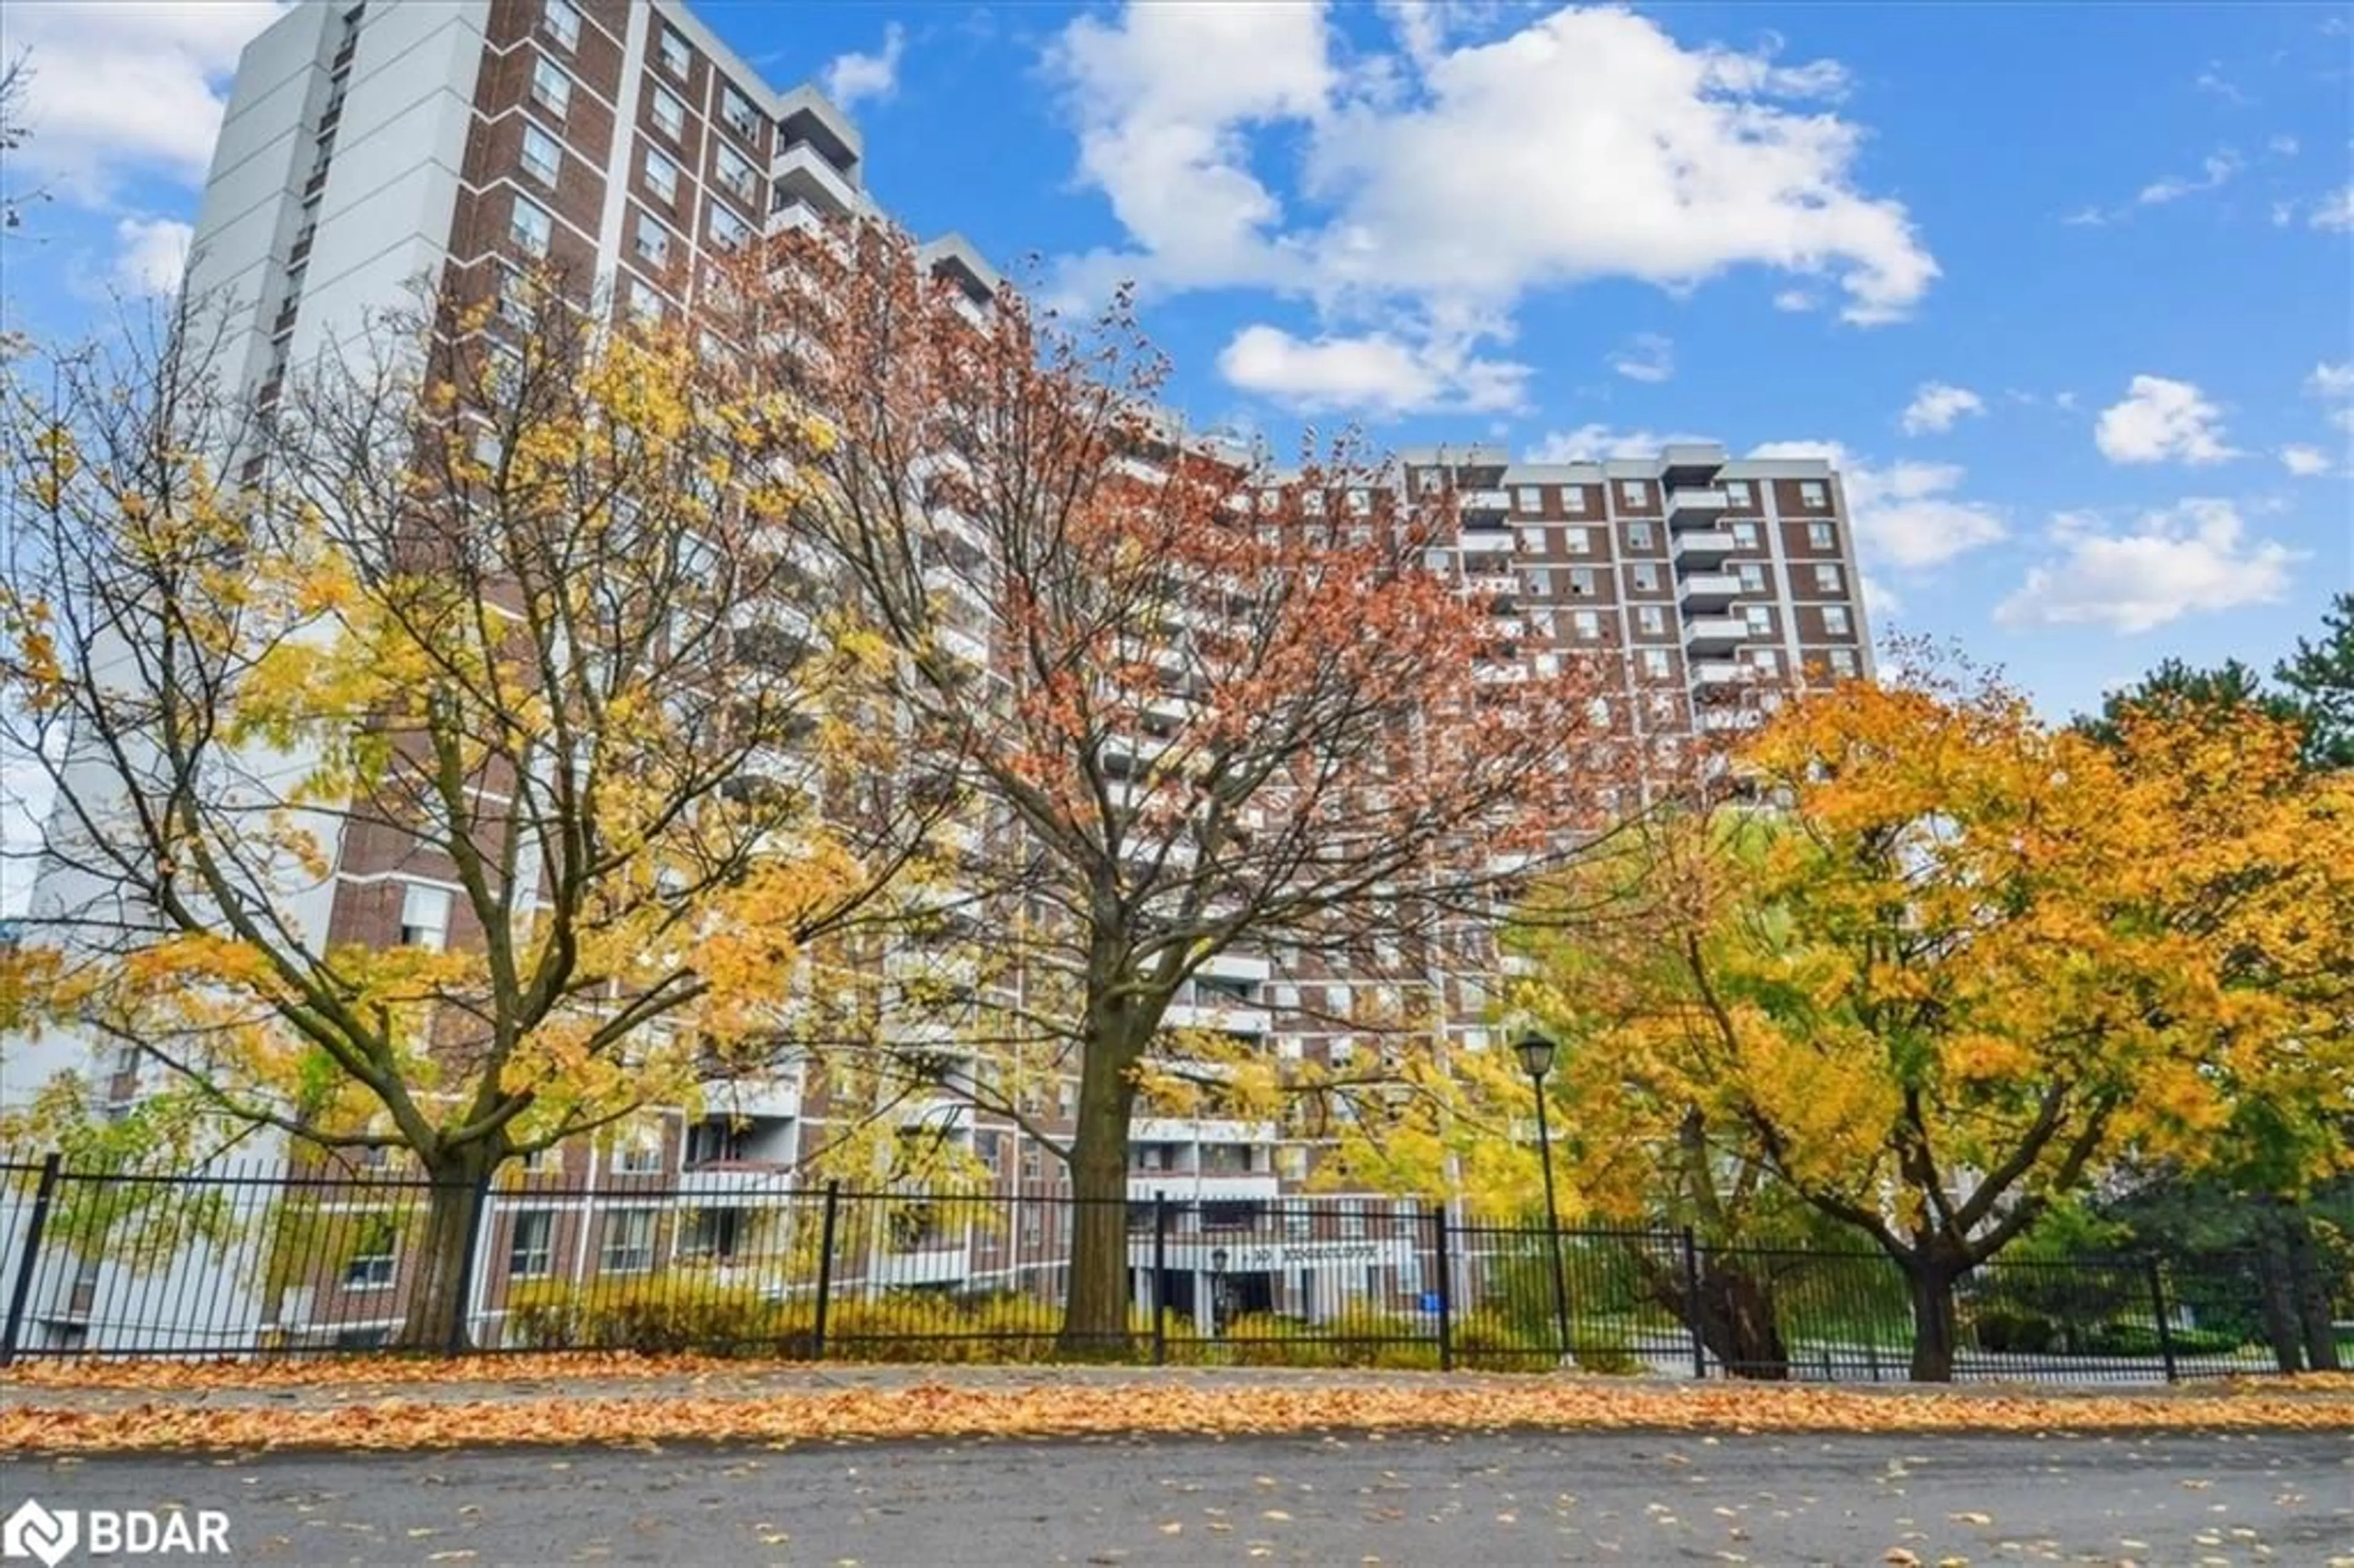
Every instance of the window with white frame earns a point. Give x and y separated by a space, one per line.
1634 493
1581 581
1766 661
560 19
1835 621
370 1265
1572 498
1647 577
736 171
531 227
1752 576
728 232
675 55
532 1249
661 176
1580 541
737 110
653 240
1653 619
1821 536
629 1242
550 88
1760 619
1638 535
1529 498
1843 663
543 155
1812 493
1655 663
639 1154
1736 493
645 302
670 114
424 915
1586 624
1353 1220
1744 534
1827 579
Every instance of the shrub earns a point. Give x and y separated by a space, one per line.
2007 1331
1611 1359
661 1314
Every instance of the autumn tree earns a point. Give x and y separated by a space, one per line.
438 767
16 130
2319 677
1972 962
1194 707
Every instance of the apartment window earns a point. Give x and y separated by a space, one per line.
1821 536
543 157
1586 624
670 114
736 171
1843 663
1539 582
560 20
424 915
1736 493
1752 576
1744 534
551 86
1580 541
653 240
713 1233
530 227
661 176
1655 663
675 55
533 1247
645 305
638 1155
1353 1220
1572 498
371 1263
1663 706
728 230
1529 498
629 1242
1634 493
1760 620
1835 623
1653 619
1826 578
737 112
1581 581
1766 661
1638 535
1647 577
1812 493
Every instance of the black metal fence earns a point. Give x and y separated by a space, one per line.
735 1260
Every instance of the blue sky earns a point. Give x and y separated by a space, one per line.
2069 290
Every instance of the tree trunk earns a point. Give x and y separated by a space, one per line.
2276 1299
1095 1300
440 1270
1931 1280
1738 1323
2308 1292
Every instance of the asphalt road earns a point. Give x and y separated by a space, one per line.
1621 1498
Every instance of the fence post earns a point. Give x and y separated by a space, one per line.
1445 1289
21 1291
2157 1308
1692 1303
470 1275
1160 1278
826 1269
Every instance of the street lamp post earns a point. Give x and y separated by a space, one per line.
1535 1051
1217 1292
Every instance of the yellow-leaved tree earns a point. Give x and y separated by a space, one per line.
1964 963
447 755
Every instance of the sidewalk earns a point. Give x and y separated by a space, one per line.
341 1406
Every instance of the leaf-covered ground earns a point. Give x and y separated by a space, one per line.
564 1400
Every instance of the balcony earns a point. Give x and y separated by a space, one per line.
1217 1186
1705 544
773 1094
1692 506
1715 633
735 1184
802 172
1484 505
1250 1020
1709 591
1190 1129
1237 966
1719 673
1490 585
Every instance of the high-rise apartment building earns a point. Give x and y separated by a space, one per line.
372 147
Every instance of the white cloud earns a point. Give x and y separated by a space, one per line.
1936 406
1592 443
1795 300
2160 419
2087 218
1647 358
2304 462
154 254
2215 170
851 79
2213 81
131 87
1881 603
2192 558
2282 147
1905 514
1453 176
2335 210
1376 371
2330 380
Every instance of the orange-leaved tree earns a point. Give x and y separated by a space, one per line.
1193 705
432 769
1970 960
